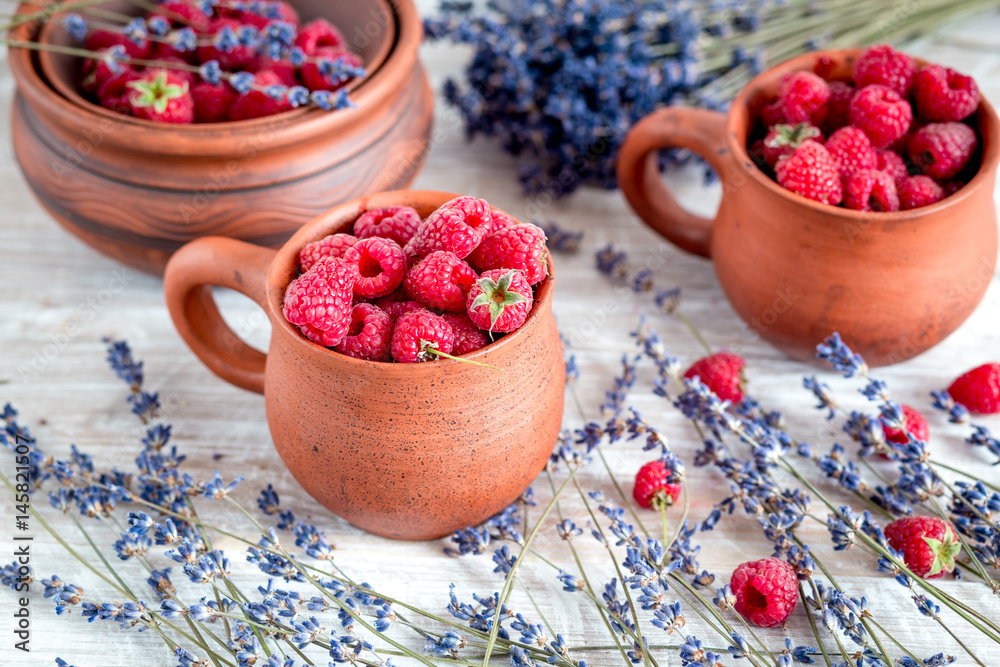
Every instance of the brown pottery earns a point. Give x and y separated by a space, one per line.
409 451
893 284
138 190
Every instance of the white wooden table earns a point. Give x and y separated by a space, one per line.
52 283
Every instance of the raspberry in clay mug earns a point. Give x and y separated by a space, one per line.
405 450
894 284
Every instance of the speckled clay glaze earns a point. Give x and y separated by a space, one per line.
892 284
409 451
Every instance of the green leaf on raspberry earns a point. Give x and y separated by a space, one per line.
156 93
498 295
791 135
944 552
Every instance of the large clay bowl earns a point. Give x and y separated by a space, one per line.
409 451
893 284
138 190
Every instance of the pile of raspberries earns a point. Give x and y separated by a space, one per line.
169 95
894 137
403 289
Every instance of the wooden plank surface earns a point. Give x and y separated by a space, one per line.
52 284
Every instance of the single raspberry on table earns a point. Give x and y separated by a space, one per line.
161 96
519 247
257 103
317 33
891 163
654 486
319 301
458 226
802 97
929 545
782 140
841 93
942 94
811 171
721 372
416 334
398 223
369 334
941 150
881 113
766 591
313 76
979 389
916 425
881 64
852 150
500 300
440 280
334 245
236 58
468 337
98 40
381 266
917 191
870 190
212 102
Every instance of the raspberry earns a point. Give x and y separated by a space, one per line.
500 300
766 591
781 140
519 247
941 150
457 226
653 486
369 334
881 113
236 58
943 94
394 222
852 151
162 51
96 73
870 190
811 171
915 423
502 221
285 13
334 245
212 102
284 70
951 187
162 96
721 372
772 114
917 191
189 77
824 68
190 12
979 389
929 544
319 301
836 107
891 163
802 97
98 40
416 334
117 86
381 266
257 103
314 79
468 337
317 33
884 65
440 280
396 308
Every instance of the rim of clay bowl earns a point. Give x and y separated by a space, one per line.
985 118
53 32
284 265
215 139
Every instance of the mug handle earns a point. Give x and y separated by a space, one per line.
704 132
187 282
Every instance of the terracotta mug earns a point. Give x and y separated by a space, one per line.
409 451
893 284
